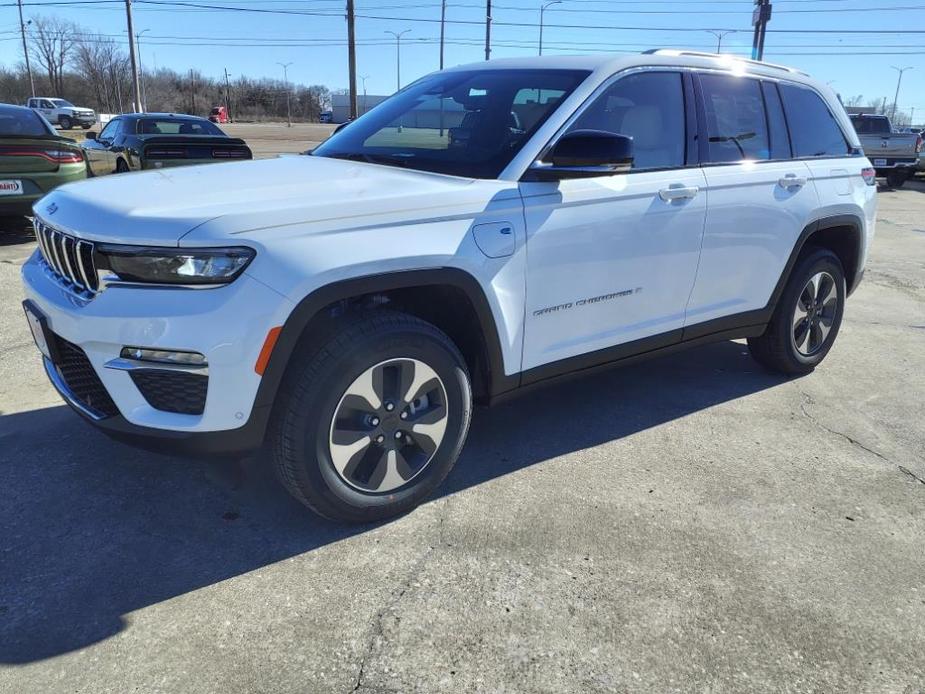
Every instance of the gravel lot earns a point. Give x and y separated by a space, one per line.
689 524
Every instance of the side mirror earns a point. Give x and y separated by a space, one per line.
585 154
89 135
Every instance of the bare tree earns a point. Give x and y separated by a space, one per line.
53 41
99 62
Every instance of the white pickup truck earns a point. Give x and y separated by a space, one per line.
63 113
894 155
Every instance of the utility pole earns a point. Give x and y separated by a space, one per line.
719 38
352 60
288 93
487 29
25 49
228 97
136 106
899 81
398 36
912 117
442 28
761 15
192 93
542 10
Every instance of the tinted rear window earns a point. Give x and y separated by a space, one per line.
868 124
813 129
166 126
22 122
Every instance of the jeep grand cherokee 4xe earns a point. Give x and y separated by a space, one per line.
484 229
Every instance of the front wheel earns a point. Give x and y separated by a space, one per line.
65 122
87 126
372 422
121 166
807 318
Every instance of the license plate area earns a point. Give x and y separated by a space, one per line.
879 162
11 187
42 336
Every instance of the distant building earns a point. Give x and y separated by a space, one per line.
340 105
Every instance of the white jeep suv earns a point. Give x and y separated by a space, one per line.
487 228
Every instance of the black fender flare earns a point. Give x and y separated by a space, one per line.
843 220
311 306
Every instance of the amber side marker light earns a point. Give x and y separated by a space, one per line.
267 349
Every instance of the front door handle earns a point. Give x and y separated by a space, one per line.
792 181
678 192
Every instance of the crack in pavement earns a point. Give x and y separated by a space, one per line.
377 630
808 400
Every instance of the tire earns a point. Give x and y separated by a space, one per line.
340 450
87 126
895 180
121 166
786 346
65 122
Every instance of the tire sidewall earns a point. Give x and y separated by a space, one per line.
66 122
312 450
818 261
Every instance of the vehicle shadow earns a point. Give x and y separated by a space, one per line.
15 230
91 530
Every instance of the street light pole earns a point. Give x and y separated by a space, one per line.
364 78
719 37
543 10
397 36
899 81
288 93
25 49
141 70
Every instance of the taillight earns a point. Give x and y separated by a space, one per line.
918 144
64 156
164 153
869 175
56 156
228 153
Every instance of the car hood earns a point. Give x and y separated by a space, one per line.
161 207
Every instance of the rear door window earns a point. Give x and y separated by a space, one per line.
813 129
649 107
777 123
737 126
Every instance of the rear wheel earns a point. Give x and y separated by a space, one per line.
373 421
65 122
807 318
895 179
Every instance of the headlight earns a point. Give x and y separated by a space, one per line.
173 265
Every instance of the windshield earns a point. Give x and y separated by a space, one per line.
23 122
178 126
61 103
463 123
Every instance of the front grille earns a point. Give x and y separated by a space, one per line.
81 378
172 391
70 258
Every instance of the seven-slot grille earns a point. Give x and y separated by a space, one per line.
69 257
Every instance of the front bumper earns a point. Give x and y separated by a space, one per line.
228 325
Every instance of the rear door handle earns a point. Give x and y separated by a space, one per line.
678 192
792 181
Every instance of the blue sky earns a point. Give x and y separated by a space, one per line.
252 43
